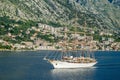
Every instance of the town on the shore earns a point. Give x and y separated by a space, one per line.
106 43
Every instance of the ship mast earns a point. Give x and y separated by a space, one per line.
75 39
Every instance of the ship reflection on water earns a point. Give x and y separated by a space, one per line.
73 74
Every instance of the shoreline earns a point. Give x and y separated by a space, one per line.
48 50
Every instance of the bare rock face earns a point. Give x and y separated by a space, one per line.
102 14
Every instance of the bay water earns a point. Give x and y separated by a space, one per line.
29 65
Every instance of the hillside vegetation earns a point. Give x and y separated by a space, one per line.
19 19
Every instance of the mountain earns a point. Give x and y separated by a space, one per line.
101 14
116 2
21 21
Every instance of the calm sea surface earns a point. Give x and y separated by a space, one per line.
30 65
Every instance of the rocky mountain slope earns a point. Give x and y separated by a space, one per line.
99 14
25 23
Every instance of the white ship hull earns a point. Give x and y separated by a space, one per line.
62 64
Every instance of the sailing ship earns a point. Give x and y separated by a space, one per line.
75 53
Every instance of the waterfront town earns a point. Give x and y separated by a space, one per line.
55 33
